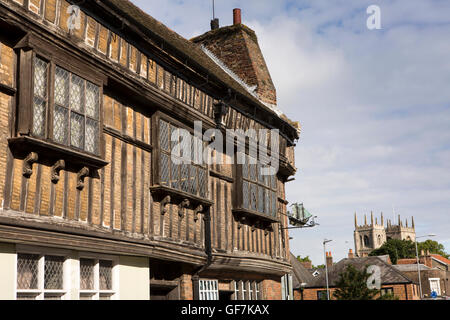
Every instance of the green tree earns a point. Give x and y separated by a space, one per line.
404 249
432 247
396 249
305 259
352 285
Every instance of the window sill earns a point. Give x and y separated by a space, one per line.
180 195
254 214
50 152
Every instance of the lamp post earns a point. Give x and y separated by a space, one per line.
325 241
418 265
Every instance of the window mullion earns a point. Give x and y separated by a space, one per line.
96 296
41 277
50 101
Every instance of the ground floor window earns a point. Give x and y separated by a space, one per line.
52 274
247 290
96 279
287 291
209 290
322 295
385 291
435 286
41 276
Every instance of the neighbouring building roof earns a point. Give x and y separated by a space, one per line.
406 261
441 258
299 273
389 274
189 50
410 267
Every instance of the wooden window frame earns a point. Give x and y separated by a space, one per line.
28 48
239 208
157 187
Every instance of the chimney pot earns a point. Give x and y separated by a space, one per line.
237 16
350 254
329 260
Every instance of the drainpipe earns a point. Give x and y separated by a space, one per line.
208 251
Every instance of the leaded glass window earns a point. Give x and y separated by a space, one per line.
258 191
76 113
96 279
40 86
40 277
184 174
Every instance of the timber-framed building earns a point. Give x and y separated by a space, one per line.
91 205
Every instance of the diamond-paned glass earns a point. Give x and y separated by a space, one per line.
185 177
76 93
38 116
87 274
252 168
266 202
92 100
164 135
91 136
202 182
260 199
274 204
274 181
164 169
40 78
174 138
61 125
27 271
253 196
61 87
174 175
53 272
193 180
245 193
76 130
105 274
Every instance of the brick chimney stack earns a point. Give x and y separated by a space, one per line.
329 260
307 264
237 16
350 254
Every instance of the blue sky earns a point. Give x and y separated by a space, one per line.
374 106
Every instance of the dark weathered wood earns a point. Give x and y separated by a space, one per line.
8 179
90 200
226 215
218 214
37 195
102 196
112 183
134 186
66 195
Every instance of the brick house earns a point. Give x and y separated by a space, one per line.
91 205
434 273
392 280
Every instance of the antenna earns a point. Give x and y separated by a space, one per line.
214 11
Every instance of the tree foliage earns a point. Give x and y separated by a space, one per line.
305 259
352 285
404 249
433 247
396 249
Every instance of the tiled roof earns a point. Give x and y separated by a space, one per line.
300 273
389 274
441 258
410 267
185 49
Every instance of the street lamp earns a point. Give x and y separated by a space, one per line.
418 265
325 241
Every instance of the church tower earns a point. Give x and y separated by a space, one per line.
371 236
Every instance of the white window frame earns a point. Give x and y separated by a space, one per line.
438 281
257 290
208 289
287 292
96 292
250 291
243 291
41 291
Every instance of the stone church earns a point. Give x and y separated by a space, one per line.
371 236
